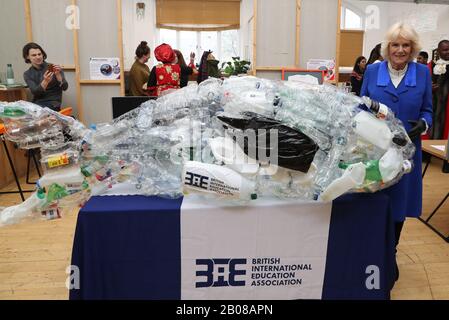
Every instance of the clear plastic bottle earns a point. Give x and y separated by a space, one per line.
9 74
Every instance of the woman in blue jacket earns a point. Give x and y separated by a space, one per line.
405 87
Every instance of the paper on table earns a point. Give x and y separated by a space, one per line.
441 148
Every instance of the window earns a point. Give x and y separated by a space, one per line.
209 42
224 44
229 45
187 43
350 19
169 37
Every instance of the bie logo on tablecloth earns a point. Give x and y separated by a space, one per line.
221 272
259 272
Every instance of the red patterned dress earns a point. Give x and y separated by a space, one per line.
164 77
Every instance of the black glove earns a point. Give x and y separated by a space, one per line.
418 127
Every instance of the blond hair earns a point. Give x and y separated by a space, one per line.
401 30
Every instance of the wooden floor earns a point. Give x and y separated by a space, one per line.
34 255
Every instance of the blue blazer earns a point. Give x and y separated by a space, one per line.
411 100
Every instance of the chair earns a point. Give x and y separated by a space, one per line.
67 111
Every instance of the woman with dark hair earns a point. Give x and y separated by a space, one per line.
357 74
140 72
375 55
186 71
45 80
208 67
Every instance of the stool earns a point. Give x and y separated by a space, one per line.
11 164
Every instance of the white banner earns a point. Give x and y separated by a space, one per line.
268 249
104 68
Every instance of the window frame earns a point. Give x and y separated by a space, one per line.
345 7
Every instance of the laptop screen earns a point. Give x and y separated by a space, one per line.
122 105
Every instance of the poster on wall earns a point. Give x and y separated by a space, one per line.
104 68
322 64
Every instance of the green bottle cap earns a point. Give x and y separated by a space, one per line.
41 193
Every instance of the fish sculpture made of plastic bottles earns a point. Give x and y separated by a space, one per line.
238 139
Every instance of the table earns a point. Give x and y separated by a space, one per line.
427 147
14 93
130 247
443 155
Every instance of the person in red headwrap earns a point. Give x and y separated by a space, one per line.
167 74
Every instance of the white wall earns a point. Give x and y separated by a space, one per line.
276 26
136 30
318 30
431 21
98 37
12 38
50 31
246 29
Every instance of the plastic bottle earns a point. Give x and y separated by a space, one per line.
391 164
9 74
380 110
353 177
373 130
16 213
384 170
227 151
67 176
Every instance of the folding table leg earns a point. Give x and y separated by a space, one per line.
438 207
425 168
426 222
32 154
13 170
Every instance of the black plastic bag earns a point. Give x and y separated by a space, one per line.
295 150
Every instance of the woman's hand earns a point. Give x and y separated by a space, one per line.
57 71
418 128
48 76
192 60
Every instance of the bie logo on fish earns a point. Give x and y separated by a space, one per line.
196 180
